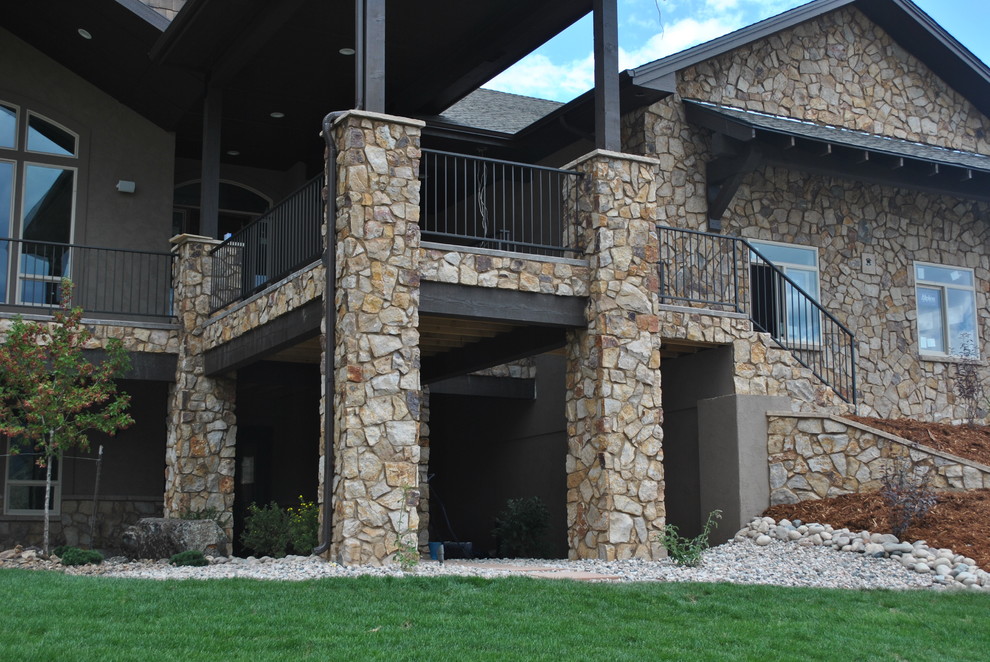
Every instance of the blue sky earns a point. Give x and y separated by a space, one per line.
650 29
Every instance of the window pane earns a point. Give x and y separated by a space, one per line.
947 275
43 136
24 466
931 336
48 196
8 126
961 314
787 254
29 497
803 318
6 192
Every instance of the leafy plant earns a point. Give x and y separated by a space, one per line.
967 383
520 527
266 530
192 557
688 551
304 524
76 556
51 396
908 495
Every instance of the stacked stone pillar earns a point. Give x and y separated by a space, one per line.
199 456
377 400
615 483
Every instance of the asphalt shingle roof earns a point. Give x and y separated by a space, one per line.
499 111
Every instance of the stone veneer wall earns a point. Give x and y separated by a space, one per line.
279 298
522 272
814 456
842 70
760 366
378 398
199 455
154 338
614 466
72 526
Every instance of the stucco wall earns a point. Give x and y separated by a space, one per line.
115 143
840 69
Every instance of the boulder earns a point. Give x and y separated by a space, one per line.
160 538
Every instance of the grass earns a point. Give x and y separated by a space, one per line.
50 616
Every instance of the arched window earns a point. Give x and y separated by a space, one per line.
239 205
38 174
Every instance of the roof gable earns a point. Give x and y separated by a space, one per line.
902 20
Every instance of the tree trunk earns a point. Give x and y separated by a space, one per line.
48 498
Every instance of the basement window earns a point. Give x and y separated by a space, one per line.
24 493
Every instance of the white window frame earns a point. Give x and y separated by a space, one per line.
946 350
56 501
788 268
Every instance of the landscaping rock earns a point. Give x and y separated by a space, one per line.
160 538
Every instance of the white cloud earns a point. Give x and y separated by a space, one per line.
536 75
676 37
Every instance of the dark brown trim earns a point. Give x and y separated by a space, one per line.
491 303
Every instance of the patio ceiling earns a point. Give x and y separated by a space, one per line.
282 57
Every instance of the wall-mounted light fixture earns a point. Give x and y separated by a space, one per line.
125 186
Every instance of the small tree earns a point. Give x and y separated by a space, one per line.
51 396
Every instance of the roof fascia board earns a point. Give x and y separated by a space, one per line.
671 64
147 13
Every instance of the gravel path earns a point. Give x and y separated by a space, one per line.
778 563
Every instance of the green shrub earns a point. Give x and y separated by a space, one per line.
58 551
688 551
266 530
520 528
76 556
192 557
304 524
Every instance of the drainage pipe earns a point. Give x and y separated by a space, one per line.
330 335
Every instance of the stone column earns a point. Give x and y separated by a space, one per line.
615 484
377 400
199 456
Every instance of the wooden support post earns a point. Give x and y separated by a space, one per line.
607 111
209 195
370 62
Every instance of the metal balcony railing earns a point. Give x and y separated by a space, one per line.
107 281
286 238
710 271
502 205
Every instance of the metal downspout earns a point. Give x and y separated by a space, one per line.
330 335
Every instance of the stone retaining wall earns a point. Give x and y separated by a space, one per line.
815 456
72 526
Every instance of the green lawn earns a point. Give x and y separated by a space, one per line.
49 616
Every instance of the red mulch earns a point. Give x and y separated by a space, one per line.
959 521
969 441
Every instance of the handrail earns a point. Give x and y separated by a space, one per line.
491 203
777 305
106 281
288 236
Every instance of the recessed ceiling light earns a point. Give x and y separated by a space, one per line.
84 33
346 51
233 152
277 115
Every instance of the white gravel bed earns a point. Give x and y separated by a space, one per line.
778 563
